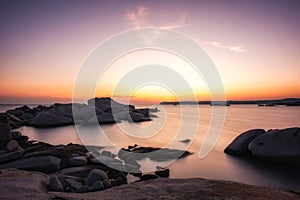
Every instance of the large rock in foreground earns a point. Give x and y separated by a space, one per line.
17 184
240 144
195 188
278 145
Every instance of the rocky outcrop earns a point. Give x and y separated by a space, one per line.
97 111
47 119
281 146
108 105
240 144
278 145
157 154
103 118
72 168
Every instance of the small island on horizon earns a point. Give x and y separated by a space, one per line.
272 102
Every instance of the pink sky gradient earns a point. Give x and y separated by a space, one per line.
255 45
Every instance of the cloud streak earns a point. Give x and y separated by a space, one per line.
137 19
236 48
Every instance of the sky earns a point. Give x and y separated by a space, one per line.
254 45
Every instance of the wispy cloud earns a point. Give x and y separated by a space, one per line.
137 19
235 48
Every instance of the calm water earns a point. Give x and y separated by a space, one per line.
164 131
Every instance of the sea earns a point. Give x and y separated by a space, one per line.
209 130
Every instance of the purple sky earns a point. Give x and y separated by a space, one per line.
254 44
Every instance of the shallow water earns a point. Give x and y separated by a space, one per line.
175 123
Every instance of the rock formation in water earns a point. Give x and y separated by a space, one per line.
97 111
281 146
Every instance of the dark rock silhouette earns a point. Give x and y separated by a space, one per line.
45 164
280 146
55 184
95 175
47 119
148 177
240 144
5 134
97 111
164 173
106 104
185 141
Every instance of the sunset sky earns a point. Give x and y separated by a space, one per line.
255 45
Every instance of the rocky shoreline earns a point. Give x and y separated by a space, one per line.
72 168
44 171
38 170
97 111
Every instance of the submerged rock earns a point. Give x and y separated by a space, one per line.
164 173
240 144
185 141
146 177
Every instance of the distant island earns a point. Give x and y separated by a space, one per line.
285 102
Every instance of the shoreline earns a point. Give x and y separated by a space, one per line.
166 188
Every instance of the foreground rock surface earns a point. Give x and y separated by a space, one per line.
195 188
18 184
